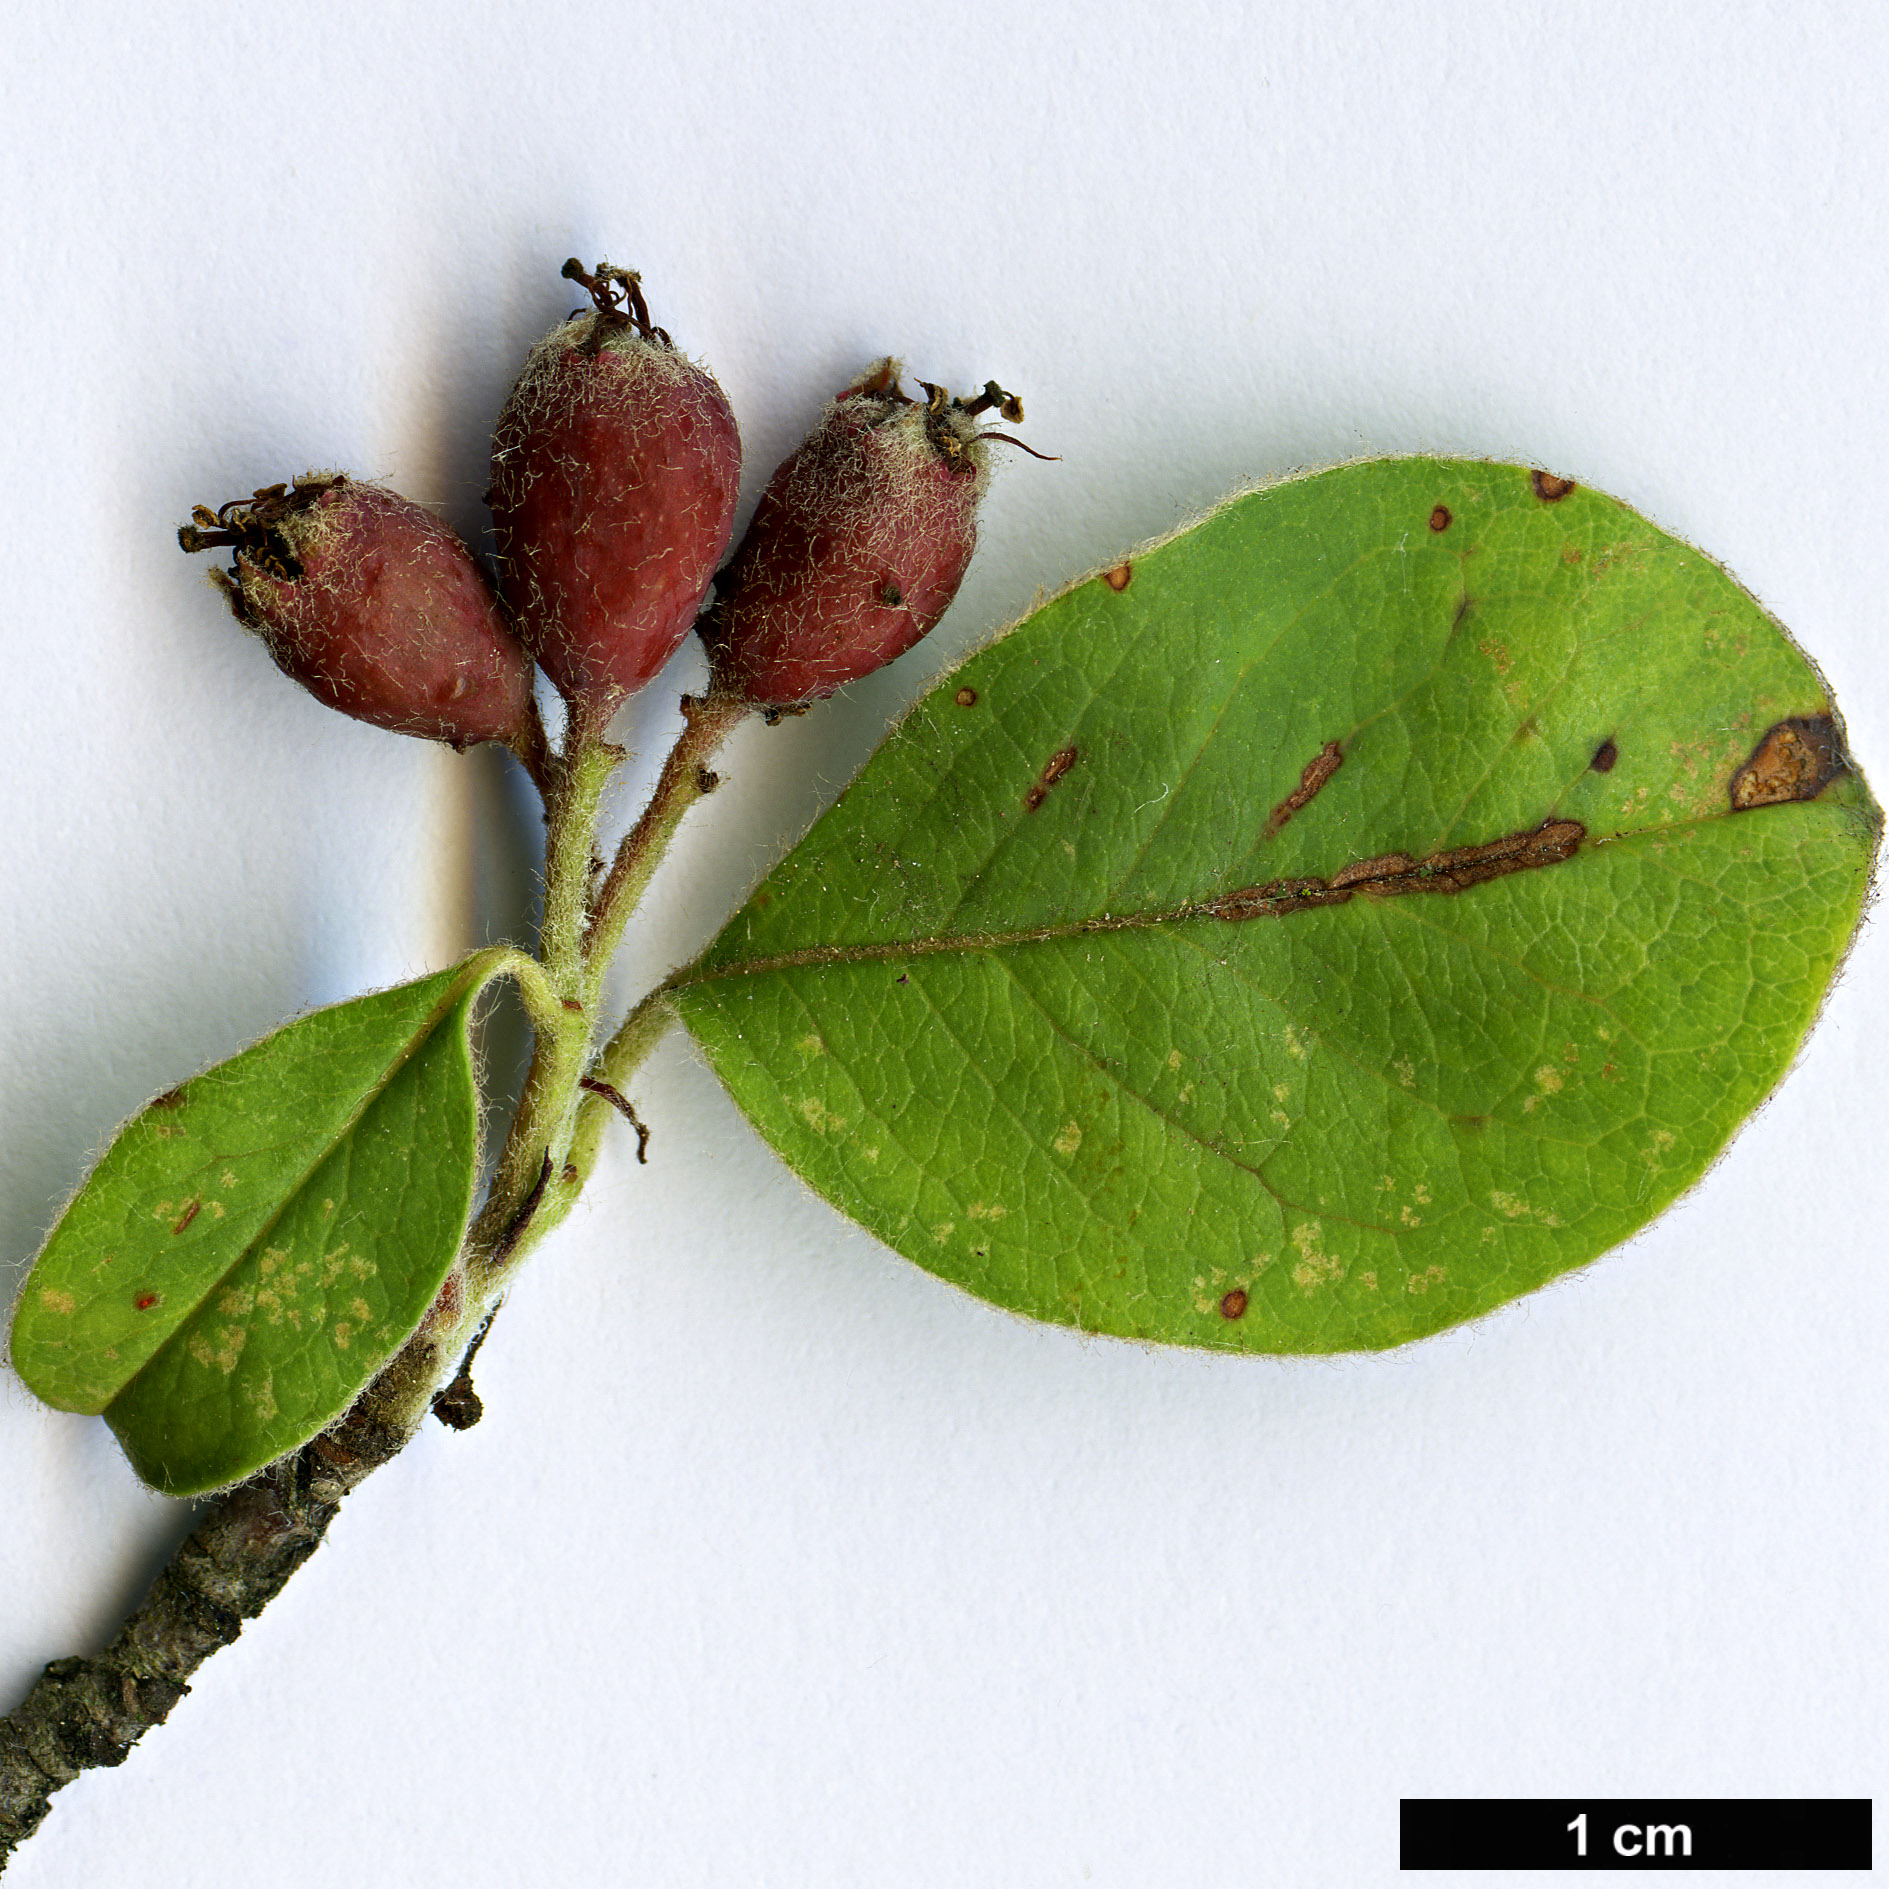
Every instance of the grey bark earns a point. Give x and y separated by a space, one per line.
86 1712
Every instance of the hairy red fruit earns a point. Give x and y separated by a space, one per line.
615 468
858 545
374 605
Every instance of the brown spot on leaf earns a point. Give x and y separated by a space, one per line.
1796 760
191 1209
1549 488
1054 769
171 1098
966 698
1390 875
1604 757
1121 576
1442 518
1384 866
1317 771
1234 1304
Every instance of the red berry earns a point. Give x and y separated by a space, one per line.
374 606
858 545
615 468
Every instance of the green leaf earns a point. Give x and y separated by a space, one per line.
257 1243
1069 1001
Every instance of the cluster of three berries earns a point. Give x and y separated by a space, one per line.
615 469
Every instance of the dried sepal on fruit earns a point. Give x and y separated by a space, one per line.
859 542
374 605
616 464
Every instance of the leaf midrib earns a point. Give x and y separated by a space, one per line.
1191 911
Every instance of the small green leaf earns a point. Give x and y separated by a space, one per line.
1347 916
257 1243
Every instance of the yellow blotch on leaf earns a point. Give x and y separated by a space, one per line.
1314 1268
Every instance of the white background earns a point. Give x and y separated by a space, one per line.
776 1561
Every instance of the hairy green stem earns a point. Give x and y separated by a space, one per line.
531 1164
546 1177
686 777
709 720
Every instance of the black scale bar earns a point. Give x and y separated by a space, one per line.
1636 1833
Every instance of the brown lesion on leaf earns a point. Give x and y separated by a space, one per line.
1548 487
1360 871
1441 518
1054 769
1391 875
1317 771
171 1098
1233 1305
1121 576
1796 760
966 698
1605 756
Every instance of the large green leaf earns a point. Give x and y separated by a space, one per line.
1070 1002
257 1243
